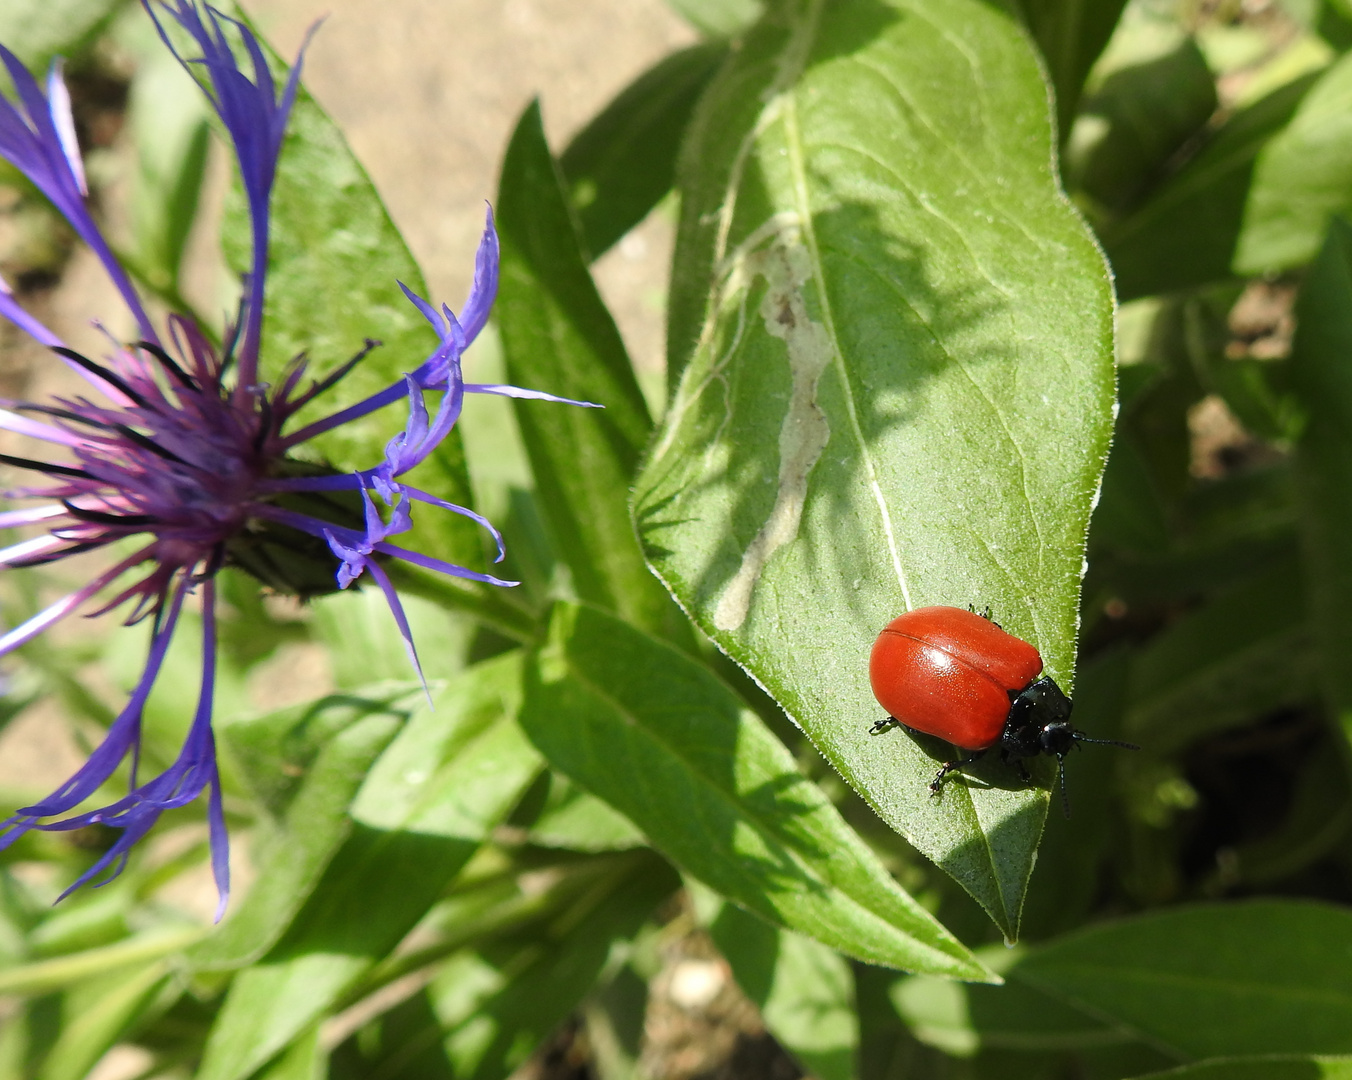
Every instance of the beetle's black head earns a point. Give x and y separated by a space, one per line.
1039 723
1058 737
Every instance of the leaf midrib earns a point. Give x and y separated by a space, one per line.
741 810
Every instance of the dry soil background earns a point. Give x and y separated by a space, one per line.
428 91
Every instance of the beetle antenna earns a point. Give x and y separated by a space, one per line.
1061 770
1105 742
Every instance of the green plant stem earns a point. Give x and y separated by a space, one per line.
60 972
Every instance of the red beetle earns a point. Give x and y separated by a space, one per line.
957 675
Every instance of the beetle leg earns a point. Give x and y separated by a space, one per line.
879 726
1012 758
936 785
985 614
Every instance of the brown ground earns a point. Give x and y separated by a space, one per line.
427 92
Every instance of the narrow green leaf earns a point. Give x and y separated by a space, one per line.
571 818
361 639
38 30
402 1044
1316 824
45 976
718 18
353 730
962 1020
452 774
304 1060
654 734
169 122
887 1049
1323 382
899 384
620 165
496 1004
101 1022
1186 234
616 1017
1244 654
1150 93
335 261
558 336
1266 1067
1255 977
1302 178
1071 34
804 990
82 921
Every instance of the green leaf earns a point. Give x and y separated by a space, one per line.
335 261
804 990
654 734
1130 515
1186 234
718 18
37 30
881 339
360 636
1071 861
1335 23
452 774
100 1020
1242 655
557 336
1250 977
616 1016
82 922
402 1044
1071 34
620 165
1266 1067
1316 824
1323 383
571 818
45 976
1150 93
962 1020
168 119
330 745
887 1049
496 1004
1302 178
304 1060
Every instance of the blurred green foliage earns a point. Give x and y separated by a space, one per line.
912 202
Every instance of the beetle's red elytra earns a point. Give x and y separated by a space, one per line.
957 675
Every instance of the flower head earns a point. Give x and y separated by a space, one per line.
178 445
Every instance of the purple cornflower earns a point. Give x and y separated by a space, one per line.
196 462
